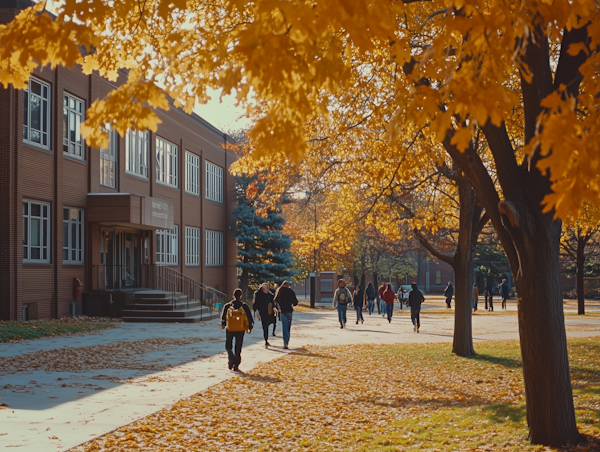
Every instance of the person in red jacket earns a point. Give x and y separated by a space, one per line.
389 297
380 308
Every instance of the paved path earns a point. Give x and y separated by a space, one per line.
78 393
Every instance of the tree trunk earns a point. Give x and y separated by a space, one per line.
463 271
244 283
580 270
549 395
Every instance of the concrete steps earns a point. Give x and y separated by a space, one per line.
160 306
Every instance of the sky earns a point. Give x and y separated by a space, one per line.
223 115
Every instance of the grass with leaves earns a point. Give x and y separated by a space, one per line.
402 397
17 331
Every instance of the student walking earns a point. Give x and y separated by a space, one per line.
448 293
370 295
389 297
504 292
475 296
341 298
237 319
415 299
400 296
358 298
272 292
286 299
489 297
380 308
264 307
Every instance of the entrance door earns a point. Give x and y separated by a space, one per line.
120 254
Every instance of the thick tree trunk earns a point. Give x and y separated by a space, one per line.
244 283
549 395
580 270
463 270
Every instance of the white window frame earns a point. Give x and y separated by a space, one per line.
167 246
192 173
137 150
44 99
108 160
73 233
214 182
192 246
214 248
167 168
43 229
73 116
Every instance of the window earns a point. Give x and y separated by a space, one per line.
73 235
73 117
166 162
36 231
108 160
214 248
192 246
438 277
36 113
192 173
136 153
167 245
214 182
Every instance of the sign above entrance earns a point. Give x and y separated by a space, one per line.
129 210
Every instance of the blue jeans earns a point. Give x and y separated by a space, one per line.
414 316
378 300
370 305
286 324
342 308
359 316
390 310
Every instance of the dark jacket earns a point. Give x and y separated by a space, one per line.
286 300
449 291
358 297
236 305
488 290
261 302
371 293
415 298
504 290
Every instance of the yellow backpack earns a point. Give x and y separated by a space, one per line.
236 319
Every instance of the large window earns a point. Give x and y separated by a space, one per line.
136 153
36 231
73 235
36 113
108 160
192 173
166 162
214 248
167 246
73 117
214 182
192 246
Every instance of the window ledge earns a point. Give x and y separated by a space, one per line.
37 147
139 176
164 184
74 158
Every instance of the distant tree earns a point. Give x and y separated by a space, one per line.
263 248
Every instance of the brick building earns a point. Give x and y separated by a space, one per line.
104 216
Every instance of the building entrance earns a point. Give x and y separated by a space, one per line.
120 256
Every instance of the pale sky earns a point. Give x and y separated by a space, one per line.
223 115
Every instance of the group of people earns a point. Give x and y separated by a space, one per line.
384 295
489 295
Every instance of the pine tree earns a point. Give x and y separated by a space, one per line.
263 247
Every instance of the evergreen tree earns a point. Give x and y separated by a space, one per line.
263 248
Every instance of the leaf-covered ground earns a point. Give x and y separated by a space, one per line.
17 331
362 397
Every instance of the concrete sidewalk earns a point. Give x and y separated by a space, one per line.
62 392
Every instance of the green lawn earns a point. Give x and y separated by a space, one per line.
17 331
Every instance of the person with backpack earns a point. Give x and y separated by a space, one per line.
265 309
415 299
504 292
370 295
286 299
448 293
237 319
358 297
389 297
380 308
341 298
